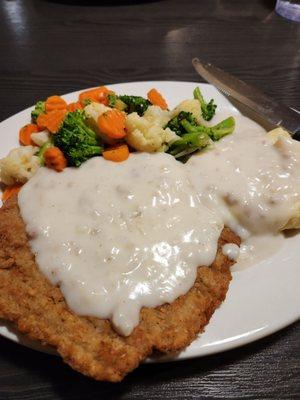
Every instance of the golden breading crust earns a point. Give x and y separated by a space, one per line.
90 345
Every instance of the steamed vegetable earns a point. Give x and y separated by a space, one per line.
38 109
55 159
115 102
189 143
26 132
208 109
93 112
197 136
117 153
175 123
76 140
86 102
74 106
216 132
135 104
146 135
102 122
112 100
19 165
42 150
40 138
55 103
157 99
155 115
112 124
52 120
98 95
224 128
191 106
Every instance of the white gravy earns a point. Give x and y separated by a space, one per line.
117 237
257 248
231 250
252 183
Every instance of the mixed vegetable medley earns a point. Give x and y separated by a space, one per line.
103 123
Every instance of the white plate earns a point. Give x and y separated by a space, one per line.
261 299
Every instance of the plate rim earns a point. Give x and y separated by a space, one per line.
208 349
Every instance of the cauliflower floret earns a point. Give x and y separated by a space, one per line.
156 115
19 165
144 135
40 138
93 112
192 106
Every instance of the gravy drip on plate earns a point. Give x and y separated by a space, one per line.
119 236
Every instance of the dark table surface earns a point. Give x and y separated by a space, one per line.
51 47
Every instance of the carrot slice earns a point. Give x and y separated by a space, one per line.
41 121
117 153
55 119
74 106
51 120
112 124
156 99
55 103
10 191
55 159
25 134
99 95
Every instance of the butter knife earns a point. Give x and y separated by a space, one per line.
242 94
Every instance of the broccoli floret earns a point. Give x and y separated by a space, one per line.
135 104
86 102
76 140
188 143
194 138
175 123
39 108
208 109
225 127
197 137
112 99
216 132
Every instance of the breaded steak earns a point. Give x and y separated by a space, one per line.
90 345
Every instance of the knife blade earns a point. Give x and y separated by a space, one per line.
275 113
